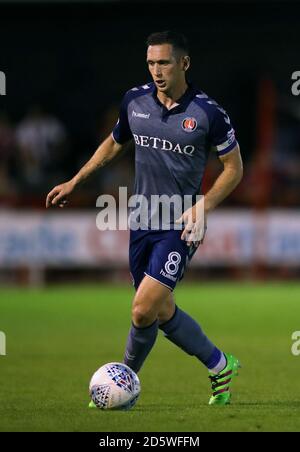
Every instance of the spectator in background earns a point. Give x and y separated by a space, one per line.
286 165
42 145
7 151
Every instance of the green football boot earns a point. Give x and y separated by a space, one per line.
221 382
92 405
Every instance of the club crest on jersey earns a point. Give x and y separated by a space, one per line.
189 124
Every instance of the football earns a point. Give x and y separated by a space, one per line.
114 386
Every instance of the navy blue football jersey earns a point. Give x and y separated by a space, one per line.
172 146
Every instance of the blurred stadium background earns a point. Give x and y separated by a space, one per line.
67 67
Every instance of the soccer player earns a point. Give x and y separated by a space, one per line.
174 126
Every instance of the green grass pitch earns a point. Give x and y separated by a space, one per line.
57 337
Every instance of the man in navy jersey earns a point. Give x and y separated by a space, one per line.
174 126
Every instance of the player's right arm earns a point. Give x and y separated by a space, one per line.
106 152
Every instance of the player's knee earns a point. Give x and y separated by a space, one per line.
143 316
166 313
167 310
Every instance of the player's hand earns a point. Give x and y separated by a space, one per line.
195 221
58 196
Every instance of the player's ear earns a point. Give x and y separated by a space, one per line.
186 62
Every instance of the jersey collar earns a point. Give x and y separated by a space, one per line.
183 102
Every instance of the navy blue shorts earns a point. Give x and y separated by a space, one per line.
162 255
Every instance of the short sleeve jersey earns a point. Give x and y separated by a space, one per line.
172 146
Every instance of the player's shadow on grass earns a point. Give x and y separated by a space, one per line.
283 404
169 408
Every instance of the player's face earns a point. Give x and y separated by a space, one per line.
167 71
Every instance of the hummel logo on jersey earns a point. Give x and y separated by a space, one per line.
141 115
163 145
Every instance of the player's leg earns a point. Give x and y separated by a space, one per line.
148 300
167 310
166 263
175 328
186 333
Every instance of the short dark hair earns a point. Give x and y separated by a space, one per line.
177 40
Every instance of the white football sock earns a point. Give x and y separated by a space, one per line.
220 366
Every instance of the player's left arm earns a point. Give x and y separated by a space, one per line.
195 217
222 139
227 181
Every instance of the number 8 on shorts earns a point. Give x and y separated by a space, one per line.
173 262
